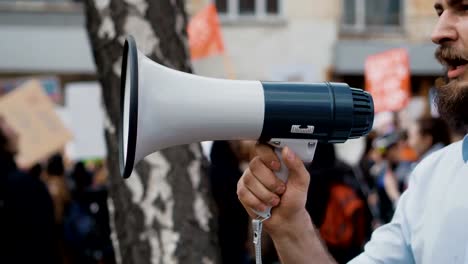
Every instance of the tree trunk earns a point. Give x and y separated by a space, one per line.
163 213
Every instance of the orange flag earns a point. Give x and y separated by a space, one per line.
387 77
204 33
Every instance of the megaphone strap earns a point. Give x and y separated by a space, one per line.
257 226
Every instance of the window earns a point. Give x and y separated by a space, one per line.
249 9
221 5
363 15
272 7
246 7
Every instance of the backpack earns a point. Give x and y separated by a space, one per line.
345 218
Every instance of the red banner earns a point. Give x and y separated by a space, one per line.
387 77
204 33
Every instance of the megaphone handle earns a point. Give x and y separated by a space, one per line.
305 149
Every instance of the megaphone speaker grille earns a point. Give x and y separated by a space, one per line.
128 107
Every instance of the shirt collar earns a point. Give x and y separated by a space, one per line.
465 148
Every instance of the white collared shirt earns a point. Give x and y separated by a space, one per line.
430 224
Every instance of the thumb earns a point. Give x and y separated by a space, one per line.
298 174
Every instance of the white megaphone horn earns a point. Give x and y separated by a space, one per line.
161 107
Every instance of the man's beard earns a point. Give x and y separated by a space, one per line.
452 95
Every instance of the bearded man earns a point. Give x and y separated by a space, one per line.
430 222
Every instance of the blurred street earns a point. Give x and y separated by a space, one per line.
62 198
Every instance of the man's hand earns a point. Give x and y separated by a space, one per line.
259 188
290 226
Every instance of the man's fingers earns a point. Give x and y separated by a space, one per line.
268 156
248 199
259 190
265 176
298 174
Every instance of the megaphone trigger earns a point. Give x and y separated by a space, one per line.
305 149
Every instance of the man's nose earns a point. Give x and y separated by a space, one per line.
444 30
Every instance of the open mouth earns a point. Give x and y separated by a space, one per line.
455 67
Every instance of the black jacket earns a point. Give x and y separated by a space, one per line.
26 217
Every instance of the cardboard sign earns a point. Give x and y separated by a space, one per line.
387 77
30 112
204 34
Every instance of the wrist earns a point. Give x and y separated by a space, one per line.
297 240
293 228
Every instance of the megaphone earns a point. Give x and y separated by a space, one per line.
161 107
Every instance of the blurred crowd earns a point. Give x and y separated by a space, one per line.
346 201
54 212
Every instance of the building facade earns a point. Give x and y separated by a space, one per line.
368 27
276 40
45 40
273 39
264 39
44 37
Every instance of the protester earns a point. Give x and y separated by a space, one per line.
225 170
429 224
337 204
365 164
385 169
86 225
26 209
367 172
427 135
58 189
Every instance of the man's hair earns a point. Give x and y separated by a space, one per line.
437 128
55 165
